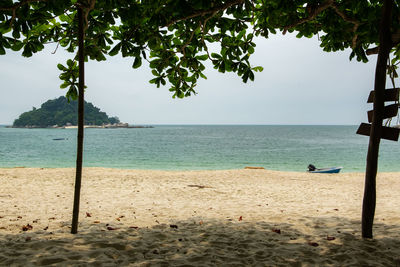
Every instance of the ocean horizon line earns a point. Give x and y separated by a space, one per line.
220 124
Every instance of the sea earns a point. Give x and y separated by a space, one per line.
197 147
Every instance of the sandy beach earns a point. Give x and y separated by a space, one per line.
195 218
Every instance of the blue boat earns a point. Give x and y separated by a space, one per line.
313 169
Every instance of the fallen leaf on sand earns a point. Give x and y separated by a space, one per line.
96 222
52 218
278 231
88 214
118 219
336 209
240 218
199 186
27 227
313 244
330 238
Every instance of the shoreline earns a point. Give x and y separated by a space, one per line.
342 172
149 217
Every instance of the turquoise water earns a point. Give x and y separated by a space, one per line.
285 148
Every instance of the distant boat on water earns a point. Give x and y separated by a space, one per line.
58 139
313 169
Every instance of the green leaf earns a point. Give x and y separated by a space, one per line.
251 49
17 46
115 50
70 63
215 55
137 63
61 67
202 57
65 85
258 69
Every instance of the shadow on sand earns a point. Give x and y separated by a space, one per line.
207 243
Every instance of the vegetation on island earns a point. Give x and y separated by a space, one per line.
62 112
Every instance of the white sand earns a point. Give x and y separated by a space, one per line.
218 218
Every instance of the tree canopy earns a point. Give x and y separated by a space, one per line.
176 37
59 112
172 36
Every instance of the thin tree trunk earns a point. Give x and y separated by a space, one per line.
385 44
81 112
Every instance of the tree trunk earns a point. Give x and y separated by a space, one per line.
385 44
81 112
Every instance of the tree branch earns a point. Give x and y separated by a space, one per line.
328 4
15 6
86 7
313 14
395 42
201 13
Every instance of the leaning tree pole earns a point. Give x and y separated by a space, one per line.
376 130
81 98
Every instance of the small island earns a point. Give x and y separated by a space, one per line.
61 113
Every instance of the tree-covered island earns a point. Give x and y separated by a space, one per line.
60 113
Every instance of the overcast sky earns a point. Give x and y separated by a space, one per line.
300 84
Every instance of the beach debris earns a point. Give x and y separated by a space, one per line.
134 227
52 218
336 209
110 228
240 218
35 221
2 228
27 227
275 230
96 222
330 238
174 226
19 217
201 222
88 214
313 244
199 186
254 168
47 227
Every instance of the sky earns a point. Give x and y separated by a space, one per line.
300 85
